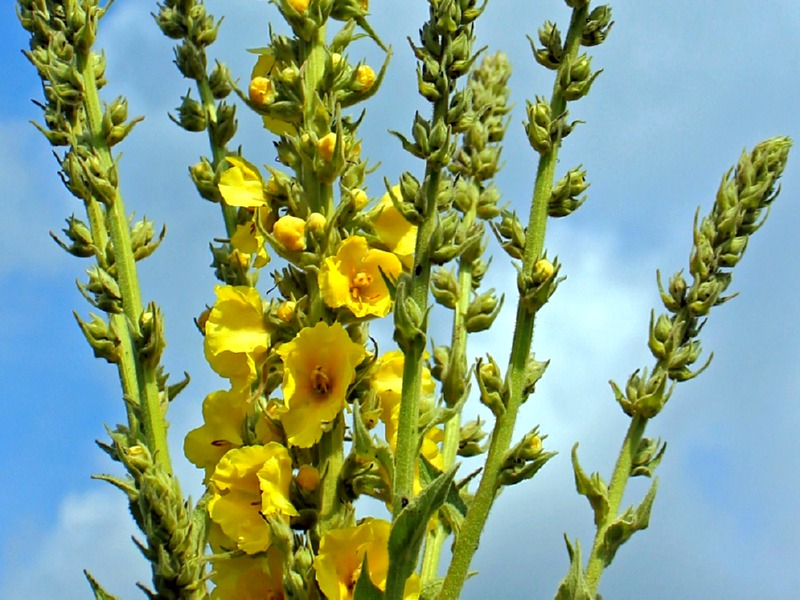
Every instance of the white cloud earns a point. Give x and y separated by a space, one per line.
93 532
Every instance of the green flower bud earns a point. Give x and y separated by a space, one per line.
441 358
219 81
524 460
483 311
644 395
648 456
540 125
82 244
151 341
470 437
576 77
597 27
549 56
191 61
102 338
444 288
225 128
204 179
191 115
493 392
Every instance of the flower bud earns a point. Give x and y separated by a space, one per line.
261 91
285 312
326 146
289 231
539 126
363 78
315 223
307 478
219 81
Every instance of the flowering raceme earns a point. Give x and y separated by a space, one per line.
236 338
355 278
248 484
319 364
341 558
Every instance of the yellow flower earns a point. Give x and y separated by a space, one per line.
298 5
285 312
249 577
392 229
241 184
265 66
248 240
290 232
326 145
236 338
248 484
364 78
318 367
223 417
341 558
261 91
360 198
353 278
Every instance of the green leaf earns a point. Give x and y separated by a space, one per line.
594 488
574 586
99 592
408 531
365 589
624 526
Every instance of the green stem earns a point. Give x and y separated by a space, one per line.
467 541
154 426
331 460
218 153
458 358
408 419
619 479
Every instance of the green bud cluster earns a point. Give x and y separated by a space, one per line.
565 198
174 538
524 460
720 240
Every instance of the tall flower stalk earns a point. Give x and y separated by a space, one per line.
314 412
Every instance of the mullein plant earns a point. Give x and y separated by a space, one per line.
315 412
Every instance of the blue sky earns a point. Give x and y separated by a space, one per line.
686 86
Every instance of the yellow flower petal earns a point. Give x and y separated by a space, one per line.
236 339
223 415
341 557
392 229
241 185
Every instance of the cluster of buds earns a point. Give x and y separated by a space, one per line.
720 240
566 197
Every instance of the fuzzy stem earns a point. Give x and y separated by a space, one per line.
619 479
408 420
154 426
467 541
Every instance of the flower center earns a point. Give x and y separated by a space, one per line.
361 280
320 382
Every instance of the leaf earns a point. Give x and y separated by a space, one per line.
594 488
574 586
99 592
624 526
365 589
408 531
